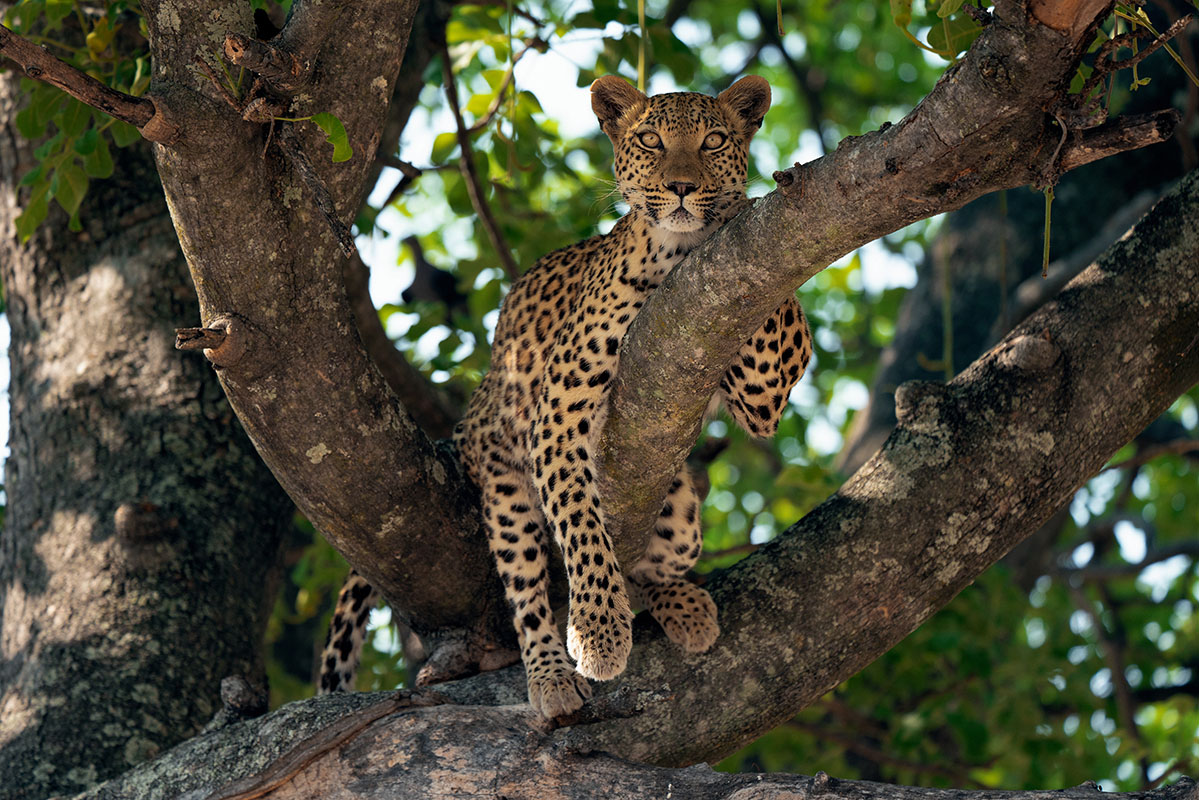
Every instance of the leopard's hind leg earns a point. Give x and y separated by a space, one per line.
685 611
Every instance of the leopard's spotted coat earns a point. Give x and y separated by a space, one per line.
527 439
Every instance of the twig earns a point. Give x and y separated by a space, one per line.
291 148
277 67
410 174
540 23
1150 453
1125 133
802 75
226 94
737 550
494 107
1103 572
1105 61
474 186
37 63
1111 646
1032 293
198 338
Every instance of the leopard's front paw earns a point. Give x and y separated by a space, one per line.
599 638
557 691
687 615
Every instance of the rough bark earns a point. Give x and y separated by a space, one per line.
403 747
1093 207
318 410
141 529
972 467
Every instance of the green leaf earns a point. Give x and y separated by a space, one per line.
443 146
34 213
494 78
57 11
123 134
32 176
69 185
98 163
948 8
479 103
86 143
47 147
335 134
954 35
28 125
44 101
74 118
100 37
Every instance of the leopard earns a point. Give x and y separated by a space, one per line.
528 437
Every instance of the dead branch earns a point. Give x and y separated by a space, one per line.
140 112
279 68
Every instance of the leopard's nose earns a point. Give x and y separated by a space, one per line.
681 188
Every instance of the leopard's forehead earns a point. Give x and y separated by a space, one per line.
682 111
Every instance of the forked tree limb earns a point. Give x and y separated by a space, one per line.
350 454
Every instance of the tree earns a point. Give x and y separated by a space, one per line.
973 467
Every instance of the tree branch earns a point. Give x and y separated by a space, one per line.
444 751
470 175
433 410
319 412
972 467
140 112
981 129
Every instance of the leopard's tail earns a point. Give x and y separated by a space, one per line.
347 629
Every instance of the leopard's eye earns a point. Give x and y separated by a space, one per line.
650 139
714 140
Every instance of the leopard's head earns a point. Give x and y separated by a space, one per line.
680 158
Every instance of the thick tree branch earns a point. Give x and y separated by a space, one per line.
320 413
429 750
972 467
981 129
435 412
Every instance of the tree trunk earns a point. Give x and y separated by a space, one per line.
139 552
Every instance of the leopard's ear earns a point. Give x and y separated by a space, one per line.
747 100
612 98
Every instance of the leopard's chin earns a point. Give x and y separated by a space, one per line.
681 221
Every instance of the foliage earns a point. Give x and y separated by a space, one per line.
105 41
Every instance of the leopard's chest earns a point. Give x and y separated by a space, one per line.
572 309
